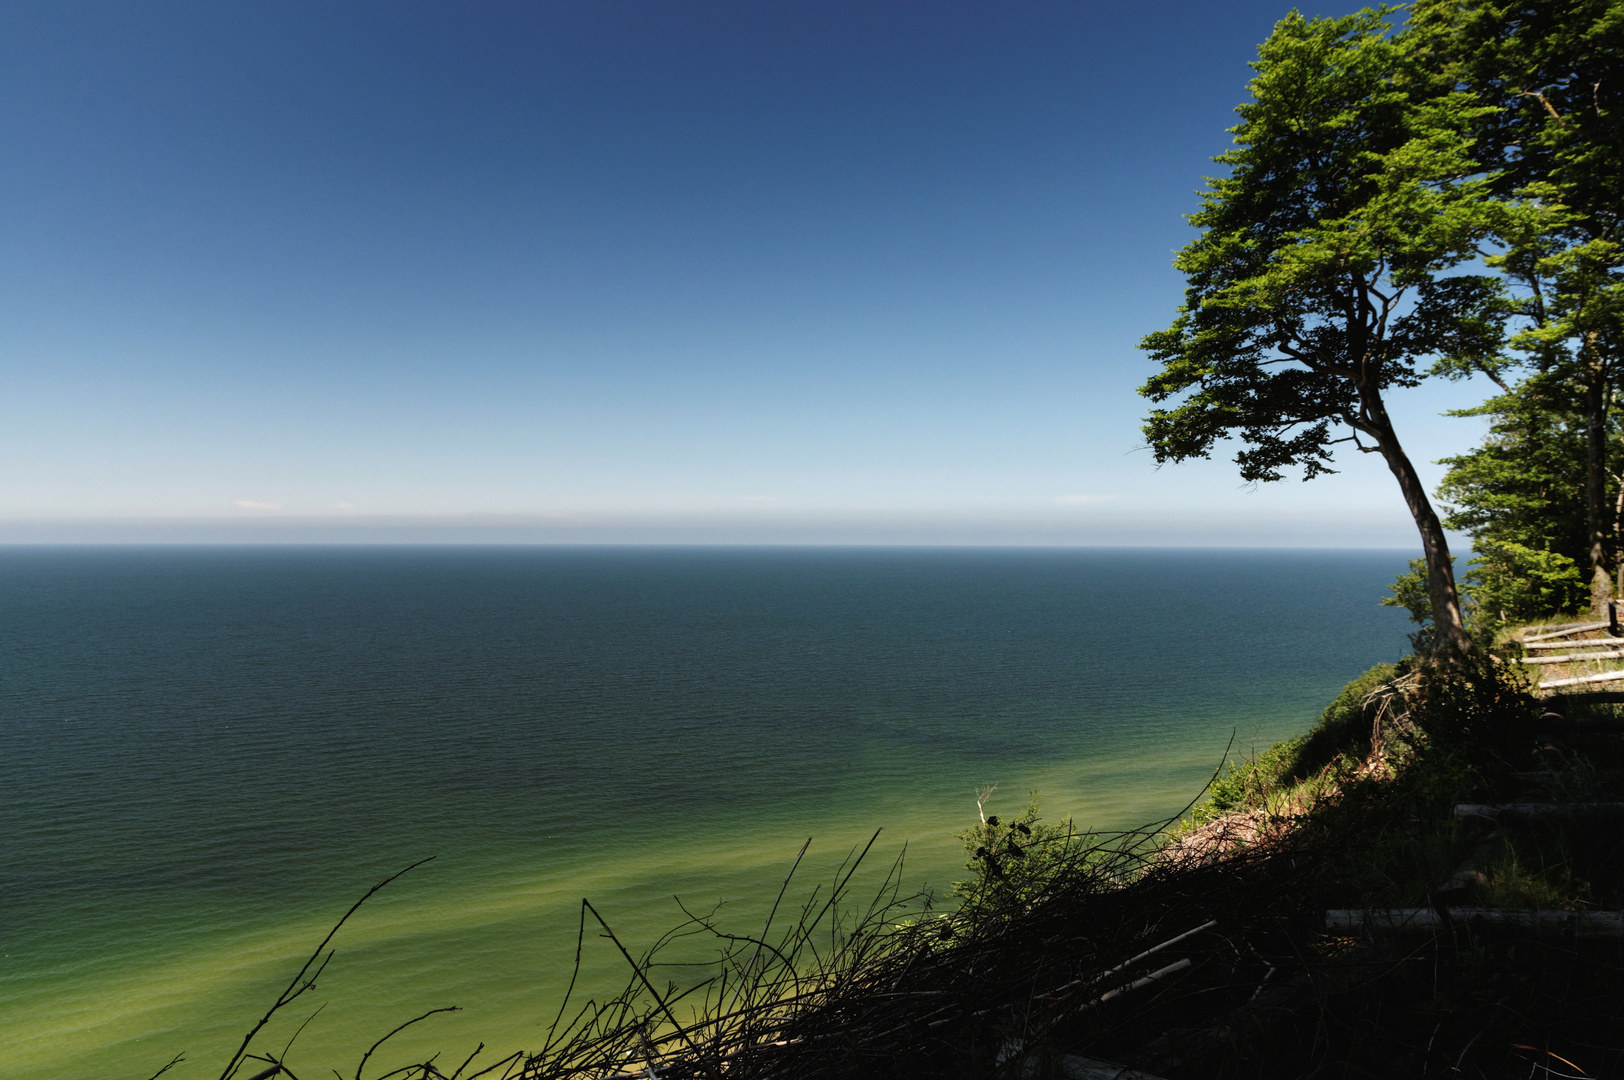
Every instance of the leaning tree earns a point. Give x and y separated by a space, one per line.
1334 261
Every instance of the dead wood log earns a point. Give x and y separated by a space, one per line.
1529 811
1409 920
1571 628
1574 658
1583 680
1577 643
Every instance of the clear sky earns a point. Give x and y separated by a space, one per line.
646 270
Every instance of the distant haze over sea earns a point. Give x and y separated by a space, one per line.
1245 524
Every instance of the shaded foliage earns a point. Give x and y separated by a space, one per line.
1010 862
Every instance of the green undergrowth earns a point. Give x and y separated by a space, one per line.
1386 821
1534 872
1347 820
1565 861
1380 832
1010 859
1300 768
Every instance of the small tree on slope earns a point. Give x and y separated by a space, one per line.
1328 267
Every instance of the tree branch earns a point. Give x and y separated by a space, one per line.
1490 372
1354 439
1548 106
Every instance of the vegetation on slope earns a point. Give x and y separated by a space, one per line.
1187 950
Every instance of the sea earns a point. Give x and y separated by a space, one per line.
207 754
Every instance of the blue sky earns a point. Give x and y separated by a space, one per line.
661 270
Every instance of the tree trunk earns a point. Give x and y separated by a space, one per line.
1601 581
1449 626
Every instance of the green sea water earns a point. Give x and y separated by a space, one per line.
207 754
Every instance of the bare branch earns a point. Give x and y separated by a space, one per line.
1539 97
176 1060
982 795
397 1031
300 984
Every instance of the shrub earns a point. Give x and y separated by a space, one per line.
1012 862
1409 591
1247 784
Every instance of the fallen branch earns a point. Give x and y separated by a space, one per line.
1132 960
1138 984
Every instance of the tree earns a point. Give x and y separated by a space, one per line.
1521 496
1578 330
1328 265
1525 483
1553 72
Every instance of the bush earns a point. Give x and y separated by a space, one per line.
1478 708
1409 591
1012 862
1247 783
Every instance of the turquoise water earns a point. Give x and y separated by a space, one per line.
206 754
